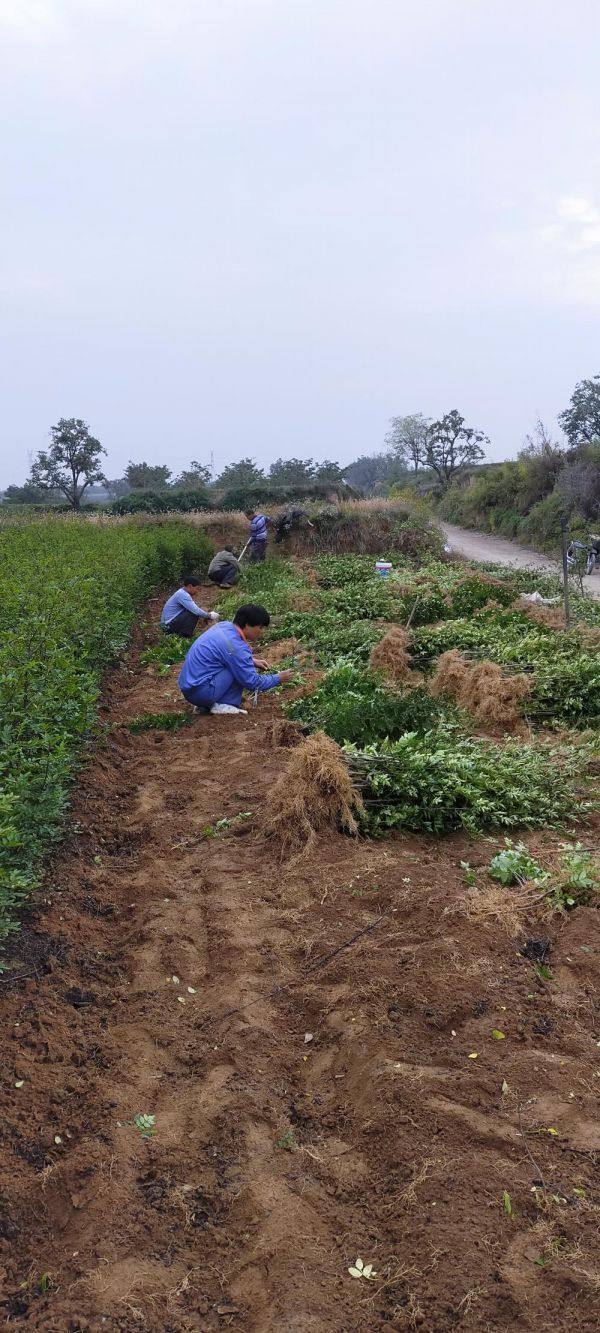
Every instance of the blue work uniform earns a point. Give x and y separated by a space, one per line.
219 666
180 601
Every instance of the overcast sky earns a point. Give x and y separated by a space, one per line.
266 226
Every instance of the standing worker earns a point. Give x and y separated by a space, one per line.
224 568
258 535
220 664
180 615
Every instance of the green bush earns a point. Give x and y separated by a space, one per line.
69 590
439 781
353 705
171 648
169 501
329 636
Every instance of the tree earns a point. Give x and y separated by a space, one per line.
541 460
292 472
23 495
373 472
407 439
117 488
452 446
147 476
244 473
328 471
194 477
71 463
581 421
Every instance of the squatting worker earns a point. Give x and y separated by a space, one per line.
220 664
258 535
290 521
224 568
180 615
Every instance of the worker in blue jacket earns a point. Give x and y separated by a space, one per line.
180 614
258 535
220 664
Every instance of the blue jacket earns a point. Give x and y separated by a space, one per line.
258 529
180 601
222 646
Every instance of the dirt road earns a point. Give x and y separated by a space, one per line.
308 1110
482 546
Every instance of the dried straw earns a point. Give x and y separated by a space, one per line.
313 794
493 698
391 657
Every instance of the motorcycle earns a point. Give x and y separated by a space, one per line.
584 556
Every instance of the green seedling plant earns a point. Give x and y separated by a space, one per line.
169 650
515 865
577 882
287 1142
159 722
223 825
144 1124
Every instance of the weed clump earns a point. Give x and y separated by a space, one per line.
493 698
314 794
391 657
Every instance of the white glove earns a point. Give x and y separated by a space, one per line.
214 615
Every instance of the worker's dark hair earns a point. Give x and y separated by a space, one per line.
229 549
251 615
250 512
192 579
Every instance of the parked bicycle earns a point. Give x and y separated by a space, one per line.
584 557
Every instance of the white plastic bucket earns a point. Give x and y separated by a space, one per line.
383 567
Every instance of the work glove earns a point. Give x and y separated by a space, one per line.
214 615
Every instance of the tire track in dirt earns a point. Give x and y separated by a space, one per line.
398 1148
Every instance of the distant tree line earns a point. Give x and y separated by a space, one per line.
442 457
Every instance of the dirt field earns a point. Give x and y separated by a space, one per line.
309 1110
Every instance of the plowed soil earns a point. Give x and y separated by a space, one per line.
309 1109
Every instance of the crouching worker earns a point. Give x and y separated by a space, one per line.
220 664
180 615
224 568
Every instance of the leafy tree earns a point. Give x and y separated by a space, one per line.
194 477
452 446
117 488
581 421
292 472
71 464
367 471
23 495
407 439
147 476
328 471
579 487
541 460
244 473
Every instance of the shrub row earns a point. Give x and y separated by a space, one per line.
69 590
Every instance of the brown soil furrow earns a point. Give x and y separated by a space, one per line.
303 1117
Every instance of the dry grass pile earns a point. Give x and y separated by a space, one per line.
551 616
496 905
391 657
493 698
285 734
302 601
314 794
280 649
